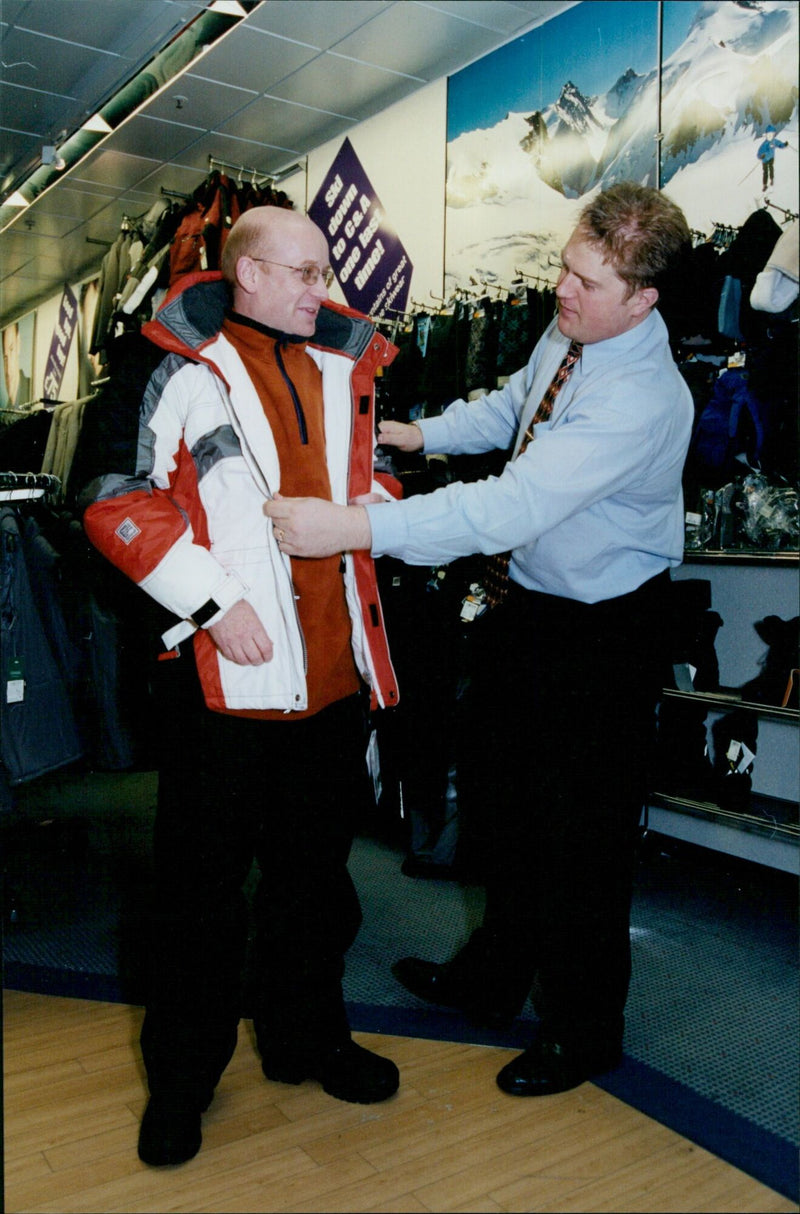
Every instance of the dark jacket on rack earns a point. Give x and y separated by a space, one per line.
38 730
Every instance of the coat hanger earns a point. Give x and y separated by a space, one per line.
27 486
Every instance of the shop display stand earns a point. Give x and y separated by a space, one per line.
747 586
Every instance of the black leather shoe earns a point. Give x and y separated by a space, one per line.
443 984
347 1071
170 1130
548 1067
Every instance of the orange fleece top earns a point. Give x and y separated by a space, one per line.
319 585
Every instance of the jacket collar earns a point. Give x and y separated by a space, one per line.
192 313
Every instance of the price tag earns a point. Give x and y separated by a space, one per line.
15 683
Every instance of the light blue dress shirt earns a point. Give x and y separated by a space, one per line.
594 506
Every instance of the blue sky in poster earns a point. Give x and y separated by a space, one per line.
591 44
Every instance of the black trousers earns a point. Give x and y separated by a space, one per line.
288 795
567 694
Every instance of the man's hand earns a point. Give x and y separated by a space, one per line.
241 637
310 526
399 434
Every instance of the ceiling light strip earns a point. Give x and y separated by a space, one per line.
218 19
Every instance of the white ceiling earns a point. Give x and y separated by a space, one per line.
288 77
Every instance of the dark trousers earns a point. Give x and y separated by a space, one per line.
289 796
568 694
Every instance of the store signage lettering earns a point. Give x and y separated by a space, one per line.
370 263
59 347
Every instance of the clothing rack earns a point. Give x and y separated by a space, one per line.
175 194
240 171
27 486
788 216
724 235
243 170
539 279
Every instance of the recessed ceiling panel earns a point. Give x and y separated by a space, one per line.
410 38
272 120
341 86
32 109
45 62
179 178
115 169
320 23
69 202
495 15
253 59
153 139
241 152
199 103
50 225
13 146
121 26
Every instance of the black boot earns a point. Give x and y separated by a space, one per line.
346 1071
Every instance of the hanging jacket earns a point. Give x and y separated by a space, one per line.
187 524
201 235
38 730
731 424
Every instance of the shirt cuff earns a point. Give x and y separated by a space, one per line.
387 525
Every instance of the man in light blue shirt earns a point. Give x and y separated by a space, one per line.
574 657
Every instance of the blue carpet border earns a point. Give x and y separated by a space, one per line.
766 1157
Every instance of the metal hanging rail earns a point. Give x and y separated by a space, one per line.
27 486
240 170
246 170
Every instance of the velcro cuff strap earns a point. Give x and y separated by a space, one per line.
231 591
205 614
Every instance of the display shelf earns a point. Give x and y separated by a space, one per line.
771 817
676 822
739 556
730 699
747 585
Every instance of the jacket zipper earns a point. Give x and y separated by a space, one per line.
298 408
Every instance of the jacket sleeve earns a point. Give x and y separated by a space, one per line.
149 521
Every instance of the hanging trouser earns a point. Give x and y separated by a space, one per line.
231 790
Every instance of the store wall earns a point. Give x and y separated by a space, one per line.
402 151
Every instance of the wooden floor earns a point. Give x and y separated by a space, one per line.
450 1140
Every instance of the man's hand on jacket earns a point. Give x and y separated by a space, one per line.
311 526
403 435
241 637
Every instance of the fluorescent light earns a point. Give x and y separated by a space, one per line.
231 8
97 123
17 199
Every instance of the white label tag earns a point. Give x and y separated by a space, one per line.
739 757
15 691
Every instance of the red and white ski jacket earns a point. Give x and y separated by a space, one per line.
189 526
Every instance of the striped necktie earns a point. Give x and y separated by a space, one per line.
495 580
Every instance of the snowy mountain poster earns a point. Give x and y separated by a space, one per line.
683 95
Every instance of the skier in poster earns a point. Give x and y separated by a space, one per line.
766 154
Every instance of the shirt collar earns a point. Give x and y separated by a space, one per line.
597 352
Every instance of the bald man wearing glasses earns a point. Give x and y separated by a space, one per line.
270 665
